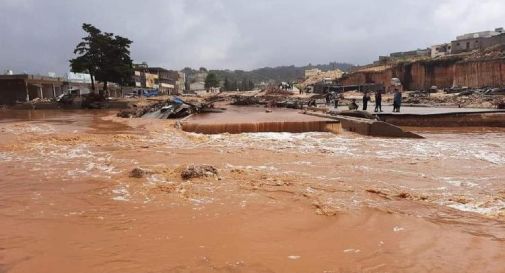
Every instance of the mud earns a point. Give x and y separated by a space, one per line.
283 202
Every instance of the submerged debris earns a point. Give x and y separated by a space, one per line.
199 171
140 172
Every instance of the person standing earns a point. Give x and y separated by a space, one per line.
336 99
397 101
378 101
366 98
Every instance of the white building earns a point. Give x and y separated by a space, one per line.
197 86
78 77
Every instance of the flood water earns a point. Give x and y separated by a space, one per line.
282 202
236 120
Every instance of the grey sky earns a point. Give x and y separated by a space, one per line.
39 35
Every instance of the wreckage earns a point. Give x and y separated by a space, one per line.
174 108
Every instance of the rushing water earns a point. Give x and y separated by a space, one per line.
238 120
283 202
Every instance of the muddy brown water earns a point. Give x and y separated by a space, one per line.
283 202
238 120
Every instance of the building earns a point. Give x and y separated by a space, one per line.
168 82
78 81
477 40
144 79
197 86
412 53
441 50
482 34
200 76
181 82
24 88
494 41
312 72
165 79
196 81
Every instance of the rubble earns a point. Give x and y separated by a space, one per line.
137 111
333 75
245 100
480 98
174 108
140 172
198 171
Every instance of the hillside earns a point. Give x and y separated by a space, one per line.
277 74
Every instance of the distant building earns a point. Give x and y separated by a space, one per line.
78 77
441 50
481 34
477 40
166 81
24 88
412 53
78 81
197 86
181 82
312 72
199 76
145 80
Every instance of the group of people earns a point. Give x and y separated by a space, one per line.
334 98
397 101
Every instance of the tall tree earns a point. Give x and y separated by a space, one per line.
250 85
226 85
104 56
211 81
234 86
243 84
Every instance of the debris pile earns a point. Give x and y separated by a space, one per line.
198 171
484 98
275 91
137 111
174 108
140 173
495 52
246 100
333 75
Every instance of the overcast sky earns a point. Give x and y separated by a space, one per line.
38 36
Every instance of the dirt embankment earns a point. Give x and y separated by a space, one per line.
476 70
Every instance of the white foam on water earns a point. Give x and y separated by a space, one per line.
459 182
249 167
490 157
6 156
27 128
398 229
121 193
484 208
